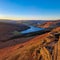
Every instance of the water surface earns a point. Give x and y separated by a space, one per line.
32 29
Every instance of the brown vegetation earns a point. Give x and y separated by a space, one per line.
6 29
42 47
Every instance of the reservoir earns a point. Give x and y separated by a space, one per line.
32 29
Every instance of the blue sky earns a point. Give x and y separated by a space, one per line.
30 9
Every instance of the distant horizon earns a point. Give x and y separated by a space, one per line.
29 18
32 19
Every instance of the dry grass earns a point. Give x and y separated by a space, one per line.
34 49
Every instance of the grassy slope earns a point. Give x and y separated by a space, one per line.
6 29
27 50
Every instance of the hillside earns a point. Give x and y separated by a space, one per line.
49 24
6 29
42 47
28 50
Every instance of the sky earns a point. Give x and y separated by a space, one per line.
30 9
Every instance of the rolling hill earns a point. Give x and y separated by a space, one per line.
6 29
40 47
